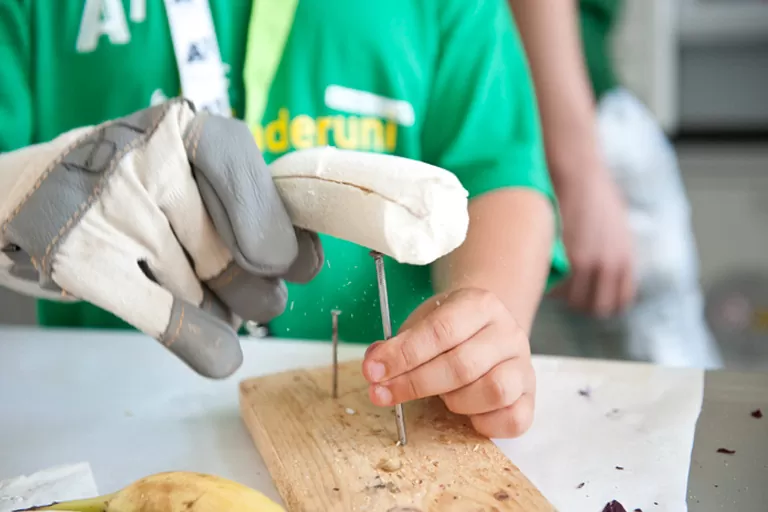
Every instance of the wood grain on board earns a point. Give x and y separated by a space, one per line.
341 454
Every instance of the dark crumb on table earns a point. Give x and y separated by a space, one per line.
580 485
638 510
585 392
336 489
501 496
614 506
656 503
620 468
726 451
757 413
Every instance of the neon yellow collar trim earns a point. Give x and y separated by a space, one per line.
268 30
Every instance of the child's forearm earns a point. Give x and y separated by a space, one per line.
507 251
550 33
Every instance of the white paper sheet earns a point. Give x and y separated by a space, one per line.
636 417
59 483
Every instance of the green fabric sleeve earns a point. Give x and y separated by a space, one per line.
598 19
483 122
15 84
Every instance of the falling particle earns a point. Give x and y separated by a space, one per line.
726 451
437 303
585 392
580 485
477 447
350 411
292 303
620 468
287 329
328 262
757 413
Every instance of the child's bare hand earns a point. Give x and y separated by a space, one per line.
466 348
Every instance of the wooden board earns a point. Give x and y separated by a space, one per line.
328 454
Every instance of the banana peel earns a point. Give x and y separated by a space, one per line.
174 491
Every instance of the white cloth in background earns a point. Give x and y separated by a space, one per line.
666 324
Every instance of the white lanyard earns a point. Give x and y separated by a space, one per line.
201 70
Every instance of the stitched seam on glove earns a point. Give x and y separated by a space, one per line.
109 171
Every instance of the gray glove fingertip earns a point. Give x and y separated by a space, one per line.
219 215
237 188
205 343
310 260
249 296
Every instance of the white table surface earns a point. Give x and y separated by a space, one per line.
122 403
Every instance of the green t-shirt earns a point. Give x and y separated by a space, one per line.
598 19
453 74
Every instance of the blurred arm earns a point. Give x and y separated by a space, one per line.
550 33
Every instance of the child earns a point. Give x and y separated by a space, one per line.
443 81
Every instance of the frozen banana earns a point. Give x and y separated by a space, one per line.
409 210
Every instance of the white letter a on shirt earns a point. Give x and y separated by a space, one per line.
102 17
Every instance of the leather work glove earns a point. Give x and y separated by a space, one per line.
167 218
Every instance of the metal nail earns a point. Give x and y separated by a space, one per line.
387 325
335 339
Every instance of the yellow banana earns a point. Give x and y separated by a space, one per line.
174 491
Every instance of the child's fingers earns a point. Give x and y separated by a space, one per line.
509 422
497 389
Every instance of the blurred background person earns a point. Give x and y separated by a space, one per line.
625 214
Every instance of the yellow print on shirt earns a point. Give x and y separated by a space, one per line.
360 133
